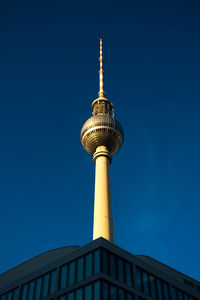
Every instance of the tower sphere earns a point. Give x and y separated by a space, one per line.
102 130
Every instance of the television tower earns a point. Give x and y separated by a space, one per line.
102 136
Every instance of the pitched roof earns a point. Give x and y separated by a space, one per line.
34 264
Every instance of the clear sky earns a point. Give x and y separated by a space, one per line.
48 79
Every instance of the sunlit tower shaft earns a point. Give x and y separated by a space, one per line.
102 136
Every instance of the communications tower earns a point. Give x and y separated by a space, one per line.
102 136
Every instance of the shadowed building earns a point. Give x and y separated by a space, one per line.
99 270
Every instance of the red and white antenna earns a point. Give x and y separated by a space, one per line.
101 91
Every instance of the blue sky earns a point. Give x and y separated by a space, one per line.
48 80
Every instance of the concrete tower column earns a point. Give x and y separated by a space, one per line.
103 222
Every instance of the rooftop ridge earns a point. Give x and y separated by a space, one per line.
34 264
166 266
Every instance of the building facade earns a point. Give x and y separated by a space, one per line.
99 270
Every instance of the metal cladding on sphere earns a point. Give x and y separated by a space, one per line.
102 130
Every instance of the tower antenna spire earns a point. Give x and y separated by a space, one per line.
101 91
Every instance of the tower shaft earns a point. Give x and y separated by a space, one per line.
103 222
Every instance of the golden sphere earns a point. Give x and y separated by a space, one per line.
102 130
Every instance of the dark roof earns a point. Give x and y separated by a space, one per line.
166 269
34 264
